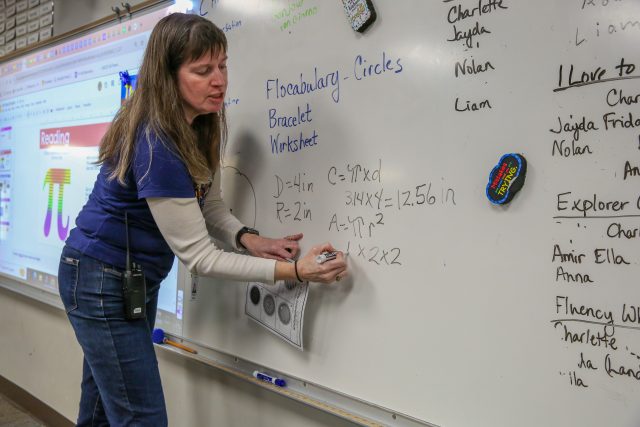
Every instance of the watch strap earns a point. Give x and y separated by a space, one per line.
242 232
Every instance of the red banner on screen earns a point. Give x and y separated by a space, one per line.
73 136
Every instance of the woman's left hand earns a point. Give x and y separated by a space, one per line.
278 249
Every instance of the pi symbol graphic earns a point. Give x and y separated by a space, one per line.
58 177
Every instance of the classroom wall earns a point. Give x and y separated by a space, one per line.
39 352
71 14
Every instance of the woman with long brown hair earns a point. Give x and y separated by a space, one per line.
161 172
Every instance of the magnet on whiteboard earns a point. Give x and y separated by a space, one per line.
361 13
506 178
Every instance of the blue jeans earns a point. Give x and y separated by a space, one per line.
120 378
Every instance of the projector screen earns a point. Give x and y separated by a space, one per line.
55 105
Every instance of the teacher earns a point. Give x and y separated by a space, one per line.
161 168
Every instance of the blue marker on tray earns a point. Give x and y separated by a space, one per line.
268 378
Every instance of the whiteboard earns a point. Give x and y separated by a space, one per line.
457 312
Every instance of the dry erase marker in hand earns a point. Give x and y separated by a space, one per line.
326 256
268 378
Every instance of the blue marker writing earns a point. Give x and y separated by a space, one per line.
268 378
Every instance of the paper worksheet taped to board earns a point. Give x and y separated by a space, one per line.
279 308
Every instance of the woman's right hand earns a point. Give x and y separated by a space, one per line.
327 272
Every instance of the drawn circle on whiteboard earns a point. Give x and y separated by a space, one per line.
254 295
269 305
284 313
240 195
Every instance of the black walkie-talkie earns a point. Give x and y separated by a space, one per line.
133 285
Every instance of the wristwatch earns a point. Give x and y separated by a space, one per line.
242 232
